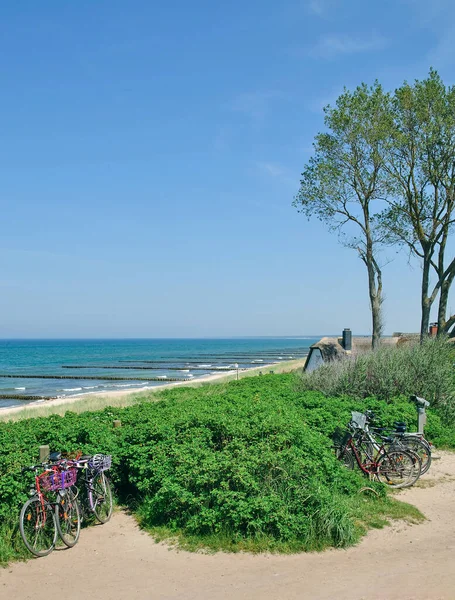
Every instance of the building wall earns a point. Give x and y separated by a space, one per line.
314 360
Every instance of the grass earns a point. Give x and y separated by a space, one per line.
380 513
11 546
425 370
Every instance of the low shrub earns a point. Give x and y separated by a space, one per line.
238 466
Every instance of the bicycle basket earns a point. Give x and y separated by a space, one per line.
358 420
100 462
340 437
57 480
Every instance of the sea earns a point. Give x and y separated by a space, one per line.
37 370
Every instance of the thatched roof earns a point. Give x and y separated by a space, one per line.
332 347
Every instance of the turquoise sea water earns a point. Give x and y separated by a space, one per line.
159 359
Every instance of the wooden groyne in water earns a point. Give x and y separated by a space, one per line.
91 377
25 397
151 368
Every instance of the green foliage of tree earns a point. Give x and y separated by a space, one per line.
419 158
384 173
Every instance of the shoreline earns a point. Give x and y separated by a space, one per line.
81 402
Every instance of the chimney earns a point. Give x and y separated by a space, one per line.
347 339
433 329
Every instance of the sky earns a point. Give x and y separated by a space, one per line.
150 153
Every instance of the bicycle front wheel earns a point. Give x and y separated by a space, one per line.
102 498
398 468
68 518
37 526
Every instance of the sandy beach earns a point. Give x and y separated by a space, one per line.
89 401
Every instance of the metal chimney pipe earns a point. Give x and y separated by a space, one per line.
347 339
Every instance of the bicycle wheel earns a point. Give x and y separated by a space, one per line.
68 518
37 526
102 498
398 468
422 449
346 456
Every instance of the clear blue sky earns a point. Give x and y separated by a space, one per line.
150 153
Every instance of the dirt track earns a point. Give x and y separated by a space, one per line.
116 561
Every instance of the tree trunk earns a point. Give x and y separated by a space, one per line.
425 300
442 309
443 324
375 293
377 321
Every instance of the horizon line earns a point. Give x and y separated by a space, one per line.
240 337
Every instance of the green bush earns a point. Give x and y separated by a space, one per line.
425 370
237 465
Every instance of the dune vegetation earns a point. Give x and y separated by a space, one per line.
245 465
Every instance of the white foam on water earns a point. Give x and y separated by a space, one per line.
204 366
72 389
258 360
89 387
22 388
161 376
184 370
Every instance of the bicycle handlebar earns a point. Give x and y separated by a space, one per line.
35 468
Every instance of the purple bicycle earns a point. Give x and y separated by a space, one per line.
92 488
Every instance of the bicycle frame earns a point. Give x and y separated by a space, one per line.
87 478
370 466
380 449
42 497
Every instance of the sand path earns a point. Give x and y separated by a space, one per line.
117 561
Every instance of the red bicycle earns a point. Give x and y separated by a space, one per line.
50 511
397 468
